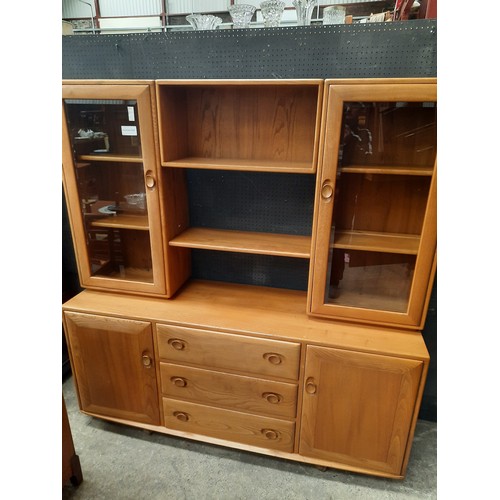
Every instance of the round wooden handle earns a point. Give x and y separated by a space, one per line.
178 381
177 344
272 397
147 361
273 358
180 415
270 434
150 180
311 387
326 191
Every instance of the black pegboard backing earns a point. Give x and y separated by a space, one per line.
250 269
373 50
251 201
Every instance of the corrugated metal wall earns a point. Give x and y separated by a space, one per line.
74 9
117 8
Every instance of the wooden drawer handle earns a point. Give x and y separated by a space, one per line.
311 387
270 434
177 344
273 358
178 381
272 397
180 415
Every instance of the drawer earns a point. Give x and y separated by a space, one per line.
264 432
263 357
238 392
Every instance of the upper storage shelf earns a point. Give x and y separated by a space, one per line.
255 125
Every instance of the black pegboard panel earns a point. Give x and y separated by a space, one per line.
251 201
250 269
374 50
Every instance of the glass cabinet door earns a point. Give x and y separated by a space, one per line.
109 166
375 234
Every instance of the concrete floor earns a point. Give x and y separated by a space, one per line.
124 463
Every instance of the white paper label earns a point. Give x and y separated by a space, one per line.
131 113
129 130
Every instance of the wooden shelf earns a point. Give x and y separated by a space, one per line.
374 302
242 164
377 242
284 245
126 274
110 157
255 125
387 170
139 222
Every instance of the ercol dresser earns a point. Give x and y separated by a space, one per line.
329 373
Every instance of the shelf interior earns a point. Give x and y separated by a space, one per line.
125 273
387 169
138 222
262 165
110 157
254 127
284 245
377 242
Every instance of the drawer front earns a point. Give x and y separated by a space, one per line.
262 357
237 392
264 432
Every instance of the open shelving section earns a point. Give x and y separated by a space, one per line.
285 245
258 127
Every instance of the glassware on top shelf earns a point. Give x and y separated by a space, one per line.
203 21
304 10
272 11
334 14
241 15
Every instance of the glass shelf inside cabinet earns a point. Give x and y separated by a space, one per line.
386 159
109 172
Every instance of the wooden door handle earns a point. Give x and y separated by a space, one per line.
311 387
150 180
327 190
147 361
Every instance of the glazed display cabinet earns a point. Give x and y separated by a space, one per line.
110 176
337 178
375 227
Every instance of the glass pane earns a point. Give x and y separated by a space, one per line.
371 280
388 134
380 202
110 180
375 236
114 210
385 165
103 126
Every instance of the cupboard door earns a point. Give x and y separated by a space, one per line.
374 240
358 408
113 365
112 189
